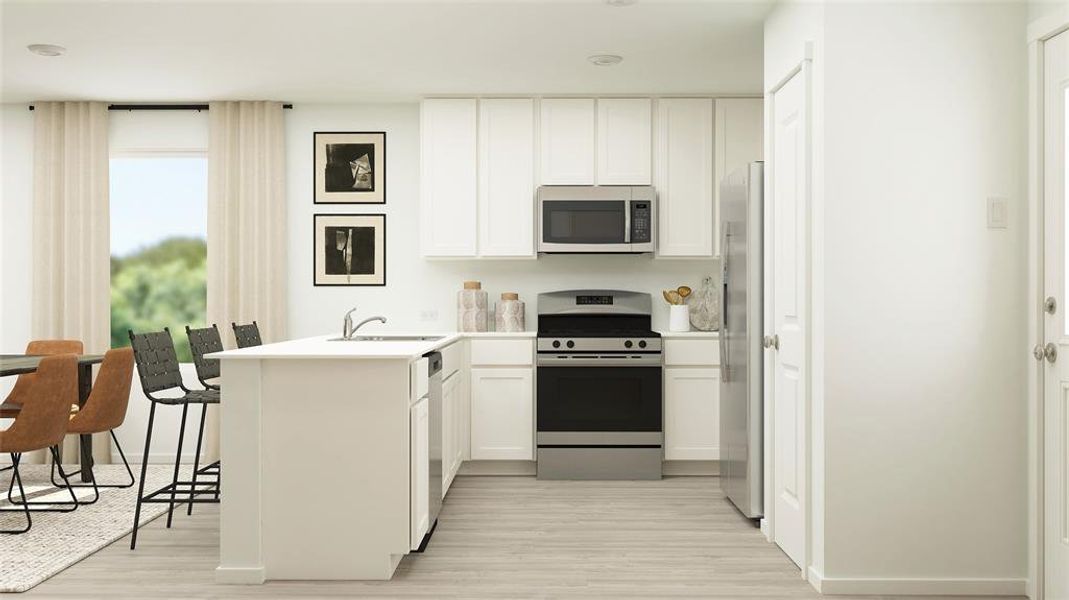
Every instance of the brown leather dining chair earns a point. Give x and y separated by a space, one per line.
42 422
10 408
105 410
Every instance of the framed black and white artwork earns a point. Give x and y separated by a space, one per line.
350 249
350 167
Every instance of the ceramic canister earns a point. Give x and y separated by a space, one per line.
472 314
510 312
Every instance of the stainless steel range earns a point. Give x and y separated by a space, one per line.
600 410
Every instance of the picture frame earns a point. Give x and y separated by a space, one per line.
349 250
349 167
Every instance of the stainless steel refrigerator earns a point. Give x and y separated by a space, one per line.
742 305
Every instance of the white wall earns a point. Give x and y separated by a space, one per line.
415 285
921 315
1041 8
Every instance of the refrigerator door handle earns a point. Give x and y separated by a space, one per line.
725 372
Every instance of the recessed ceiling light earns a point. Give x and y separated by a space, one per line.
46 49
620 2
605 60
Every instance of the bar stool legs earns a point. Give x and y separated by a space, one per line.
144 470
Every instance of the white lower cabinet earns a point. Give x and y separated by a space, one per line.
452 430
419 486
691 413
502 413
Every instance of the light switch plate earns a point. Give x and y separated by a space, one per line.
428 315
998 212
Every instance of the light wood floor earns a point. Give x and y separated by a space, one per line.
498 537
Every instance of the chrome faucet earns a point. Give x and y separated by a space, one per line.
348 330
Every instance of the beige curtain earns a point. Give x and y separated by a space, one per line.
246 224
71 246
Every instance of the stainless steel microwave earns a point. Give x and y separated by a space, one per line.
593 219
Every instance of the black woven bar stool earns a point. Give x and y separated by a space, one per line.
204 341
157 367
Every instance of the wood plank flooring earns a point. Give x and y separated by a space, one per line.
498 537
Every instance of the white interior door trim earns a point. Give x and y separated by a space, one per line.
804 68
1039 32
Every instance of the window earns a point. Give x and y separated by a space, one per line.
158 245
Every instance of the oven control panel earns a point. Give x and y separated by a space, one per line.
599 344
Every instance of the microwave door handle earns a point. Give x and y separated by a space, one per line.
627 222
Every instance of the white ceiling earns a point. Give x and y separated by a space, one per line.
320 51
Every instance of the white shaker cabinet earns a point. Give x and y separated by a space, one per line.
691 398
624 141
419 486
691 413
567 141
448 184
502 413
684 178
452 430
506 177
740 140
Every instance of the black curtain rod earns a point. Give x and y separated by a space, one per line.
163 106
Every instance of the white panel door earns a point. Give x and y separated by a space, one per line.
684 177
448 191
1055 325
691 414
451 415
502 414
624 141
419 486
567 141
740 140
506 177
785 248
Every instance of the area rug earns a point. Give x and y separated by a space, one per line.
58 540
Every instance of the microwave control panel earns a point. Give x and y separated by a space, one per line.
641 221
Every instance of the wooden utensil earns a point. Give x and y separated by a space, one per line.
684 291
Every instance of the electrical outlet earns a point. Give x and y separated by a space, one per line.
428 315
998 213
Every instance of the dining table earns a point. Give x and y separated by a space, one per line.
18 364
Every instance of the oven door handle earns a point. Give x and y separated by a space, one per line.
630 360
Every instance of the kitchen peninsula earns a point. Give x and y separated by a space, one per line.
316 438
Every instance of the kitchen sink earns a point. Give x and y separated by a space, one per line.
389 338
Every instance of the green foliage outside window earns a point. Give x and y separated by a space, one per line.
159 286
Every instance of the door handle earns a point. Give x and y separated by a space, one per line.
1050 352
771 341
1050 305
1039 351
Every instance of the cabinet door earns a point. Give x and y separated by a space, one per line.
459 414
419 486
691 414
740 140
567 141
624 156
447 177
450 431
502 414
506 177
685 177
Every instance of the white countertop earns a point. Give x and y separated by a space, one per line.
321 347
690 334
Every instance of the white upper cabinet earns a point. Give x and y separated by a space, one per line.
567 141
624 141
684 177
506 177
448 185
740 139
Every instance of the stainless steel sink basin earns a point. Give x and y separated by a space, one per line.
389 338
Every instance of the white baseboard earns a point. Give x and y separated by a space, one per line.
240 575
868 586
498 467
691 468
